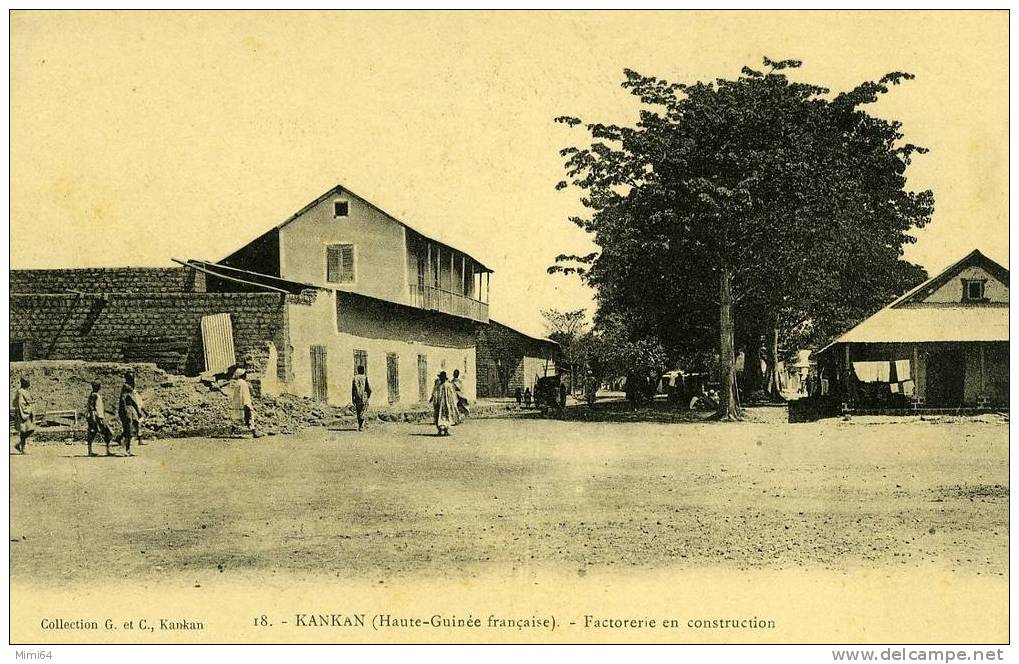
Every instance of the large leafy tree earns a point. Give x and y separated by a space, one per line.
760 198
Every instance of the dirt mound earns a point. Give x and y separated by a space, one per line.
65 384
177 406
191 407
181 407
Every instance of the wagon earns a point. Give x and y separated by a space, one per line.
548 396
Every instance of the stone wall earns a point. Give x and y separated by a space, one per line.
501 353
112 327
109 280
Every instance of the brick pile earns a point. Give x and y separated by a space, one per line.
181 406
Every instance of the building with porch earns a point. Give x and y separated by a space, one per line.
337 285
401 304
942 345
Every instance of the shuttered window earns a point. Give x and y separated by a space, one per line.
340 263
361 360
393 376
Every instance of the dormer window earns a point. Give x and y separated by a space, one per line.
973 290
341 208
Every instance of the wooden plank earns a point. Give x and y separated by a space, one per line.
228 278
319 374
218 343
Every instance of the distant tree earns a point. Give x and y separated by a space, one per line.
566 329
613 351
759 198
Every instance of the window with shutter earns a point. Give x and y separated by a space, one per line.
361 360
393 376
340 263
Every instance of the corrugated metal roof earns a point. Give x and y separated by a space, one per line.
920 324
911 320
522 333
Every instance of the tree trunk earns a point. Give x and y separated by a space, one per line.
728 402
773 385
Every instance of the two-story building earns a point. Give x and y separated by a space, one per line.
401 304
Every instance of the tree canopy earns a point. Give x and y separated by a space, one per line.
735 206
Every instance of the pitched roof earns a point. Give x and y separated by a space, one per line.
909 325
972 259
907 320
340 189
523 334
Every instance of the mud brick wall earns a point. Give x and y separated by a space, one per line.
109 280
500 359
97 328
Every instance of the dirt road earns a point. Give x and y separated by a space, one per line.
514 494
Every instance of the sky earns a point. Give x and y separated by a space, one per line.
141 137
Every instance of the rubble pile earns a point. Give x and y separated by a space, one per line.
181 406
209 415
201 407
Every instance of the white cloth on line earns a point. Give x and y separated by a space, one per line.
873 372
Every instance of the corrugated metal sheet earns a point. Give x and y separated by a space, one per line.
911 319
218 343
930 324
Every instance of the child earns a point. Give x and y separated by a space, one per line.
22 405
130 411
518 395
95 417
463 411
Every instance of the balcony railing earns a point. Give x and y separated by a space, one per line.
437 299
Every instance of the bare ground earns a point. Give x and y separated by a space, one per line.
502 494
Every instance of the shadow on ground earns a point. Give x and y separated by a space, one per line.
622 411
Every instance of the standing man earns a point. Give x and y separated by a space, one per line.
95 417
360 393
590 388
242 408
129 409
22 404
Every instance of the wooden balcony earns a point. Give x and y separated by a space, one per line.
444 301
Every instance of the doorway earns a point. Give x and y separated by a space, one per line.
423 394
946 376
319 374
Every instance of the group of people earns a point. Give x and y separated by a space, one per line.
449 406
130 411
524 397
449 403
